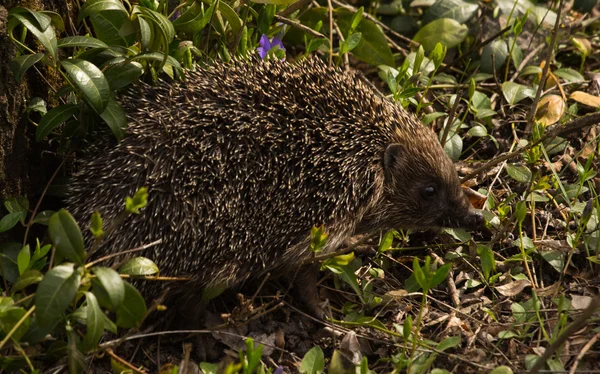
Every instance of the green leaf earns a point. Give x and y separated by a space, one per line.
54 118
459 10
386 241
137 202
274 2
90 81
9 251
420 275
39 19
520 212
24 258
9 221
194 19
133 308
231 16
101 6
446 31
96 227
28 278
353 41
139 266
81 41
313 361
122 75
486 257
43 217
19 65
514 92
372 47
157 56
453 147
520 173
569 75
501 370
494 55
113 28
94 323
447 343
115 118
66 236
10 315
46 36
477 131
163 29
440 275
55 293
111 282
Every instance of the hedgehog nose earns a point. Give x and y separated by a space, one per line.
474 220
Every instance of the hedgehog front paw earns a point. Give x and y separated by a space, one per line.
305 284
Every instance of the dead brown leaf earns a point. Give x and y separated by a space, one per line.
513 288
586 99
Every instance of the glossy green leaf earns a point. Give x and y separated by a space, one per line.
139 266
440 275
101 6
231 16
81 41
90 81
194 20
66 236
46 37
9 251
39 19
115 118
274 2
514 92
569 75
459 10
55 292
28 278
10 315
446 31
448 343
157 56
43 217
494 55
519 173
372 47
24 258
122 75
54 118
111 282
94 322
453 147
9 221
19 65
133 308
113 28
313 361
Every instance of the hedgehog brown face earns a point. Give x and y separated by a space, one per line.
422 189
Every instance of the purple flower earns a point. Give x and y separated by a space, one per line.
266 45
279 370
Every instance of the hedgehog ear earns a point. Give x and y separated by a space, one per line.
394 153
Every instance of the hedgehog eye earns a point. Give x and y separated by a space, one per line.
429 192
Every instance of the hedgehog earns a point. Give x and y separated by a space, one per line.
242 159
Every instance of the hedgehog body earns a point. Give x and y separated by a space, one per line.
243 159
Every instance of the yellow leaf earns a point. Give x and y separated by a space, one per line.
550 109
586 99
